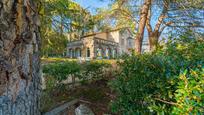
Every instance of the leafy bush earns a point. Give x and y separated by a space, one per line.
142 79
94 70
61 70
57 72
147 83
190 93
54 60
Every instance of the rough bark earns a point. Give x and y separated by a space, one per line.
19 58
153 40
142 22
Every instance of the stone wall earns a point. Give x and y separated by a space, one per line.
124 42
19 58
120 39
88 43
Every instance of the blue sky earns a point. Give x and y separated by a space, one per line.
93 4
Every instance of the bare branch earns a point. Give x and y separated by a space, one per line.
167 102
148 25
162 16
165 25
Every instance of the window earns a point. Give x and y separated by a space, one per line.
107 53
70 53
122 41
88 52
113 53
129 43
73 53
78 52
99 52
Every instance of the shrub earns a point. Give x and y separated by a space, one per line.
54 60
61 70
142 79
148 82
94 70
190 93
57 72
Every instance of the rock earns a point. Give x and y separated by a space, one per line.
83 110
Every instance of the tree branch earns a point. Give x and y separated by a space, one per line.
167 102
162 16
127 14
166 24
148 25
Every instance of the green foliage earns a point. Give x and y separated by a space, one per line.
54 60
142 78
61 70
94 70
150 83
119 14
190 93
62 21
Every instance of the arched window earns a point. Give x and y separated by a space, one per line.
70 53
88 52
122 42
114 53
99 52
73 53
110 53
107 53
78 52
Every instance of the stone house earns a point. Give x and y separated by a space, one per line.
106 45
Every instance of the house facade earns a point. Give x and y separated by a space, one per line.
106 45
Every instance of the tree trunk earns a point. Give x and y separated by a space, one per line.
142 22
19 58
155 34
153 40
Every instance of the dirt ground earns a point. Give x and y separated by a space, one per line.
96 95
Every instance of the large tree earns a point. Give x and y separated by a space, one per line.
158 16
62 21
125 12
142 22
179 16
19 57
154 34
186 15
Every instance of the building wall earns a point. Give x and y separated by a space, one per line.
88 43
125 41
111 36
122 39
114 36
102 35
103 47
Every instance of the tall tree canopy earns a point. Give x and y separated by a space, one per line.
63 21
157 16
